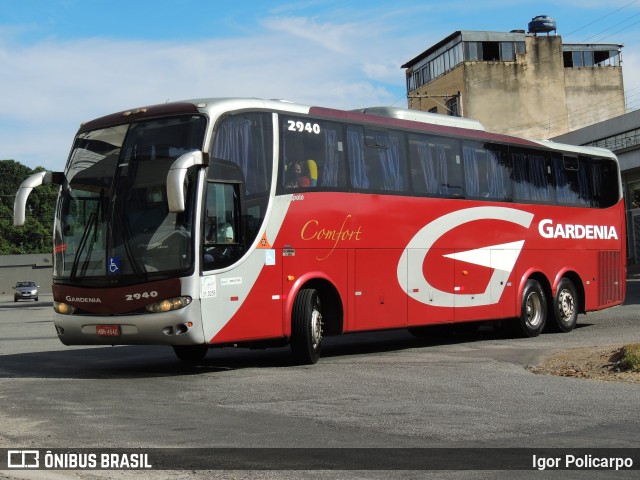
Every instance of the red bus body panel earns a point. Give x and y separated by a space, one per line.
362 245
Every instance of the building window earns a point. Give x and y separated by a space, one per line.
425 75
452 107
577 59
416 79
587 59
591 58
610 58
471 51
492 51
507 52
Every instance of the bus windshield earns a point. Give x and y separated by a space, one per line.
113 224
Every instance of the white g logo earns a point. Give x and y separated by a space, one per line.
501 258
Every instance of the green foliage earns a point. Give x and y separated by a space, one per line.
631 357
36 235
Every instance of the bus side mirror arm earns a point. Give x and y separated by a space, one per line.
33 181
176 176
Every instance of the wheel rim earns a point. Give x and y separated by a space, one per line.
533 307
316 327
566 304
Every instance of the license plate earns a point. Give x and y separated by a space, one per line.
108 330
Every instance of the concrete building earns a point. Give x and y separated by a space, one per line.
622 136
518 83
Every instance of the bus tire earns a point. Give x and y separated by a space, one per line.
565 307
533 310
306 327
191 353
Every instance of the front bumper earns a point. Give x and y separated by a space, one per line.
181 327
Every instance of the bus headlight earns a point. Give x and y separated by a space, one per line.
63 308
168 304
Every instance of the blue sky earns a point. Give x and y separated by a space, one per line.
63 62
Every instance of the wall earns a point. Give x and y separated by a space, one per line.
519 98
14 268
433 94
594 94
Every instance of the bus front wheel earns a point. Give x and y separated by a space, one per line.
565 307
190 353
533 311
306 327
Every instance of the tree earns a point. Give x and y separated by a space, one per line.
37 233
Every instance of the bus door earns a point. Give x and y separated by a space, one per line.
244 297
244 303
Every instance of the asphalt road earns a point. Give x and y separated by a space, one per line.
384 389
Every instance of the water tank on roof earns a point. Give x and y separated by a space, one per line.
542 24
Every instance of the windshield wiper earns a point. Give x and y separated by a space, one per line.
127 248
92 224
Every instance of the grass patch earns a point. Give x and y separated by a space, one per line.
631 357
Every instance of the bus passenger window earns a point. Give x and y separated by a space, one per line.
298 174
355 153
530 175
604 179
315 148
435 166
572 180
378 162
486 170
394 164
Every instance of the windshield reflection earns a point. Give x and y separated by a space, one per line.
113 224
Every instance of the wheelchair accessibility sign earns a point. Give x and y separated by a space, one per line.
114 265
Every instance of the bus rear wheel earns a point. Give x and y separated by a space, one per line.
190 353
565 307
306 327
533 310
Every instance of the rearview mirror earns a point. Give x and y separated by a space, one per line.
176 176
35 180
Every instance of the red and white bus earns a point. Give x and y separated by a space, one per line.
220 222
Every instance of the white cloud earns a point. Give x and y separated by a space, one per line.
51 86
333 37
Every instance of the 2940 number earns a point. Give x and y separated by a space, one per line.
138 295
303 127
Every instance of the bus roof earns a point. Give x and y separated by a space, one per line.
424 117
565 147
384 116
